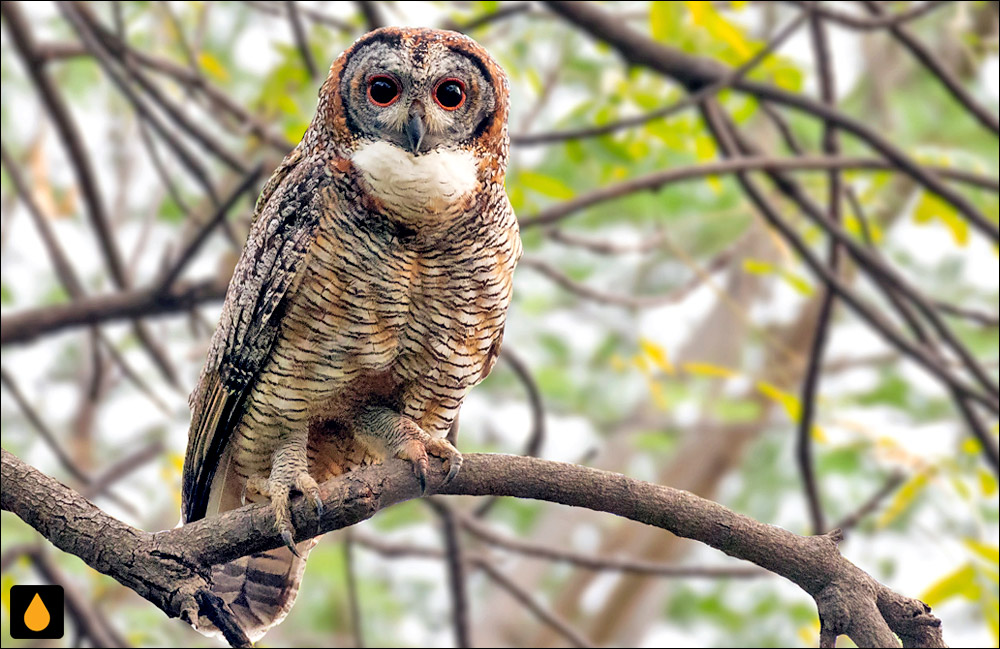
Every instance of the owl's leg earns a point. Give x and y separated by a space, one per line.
289 471
386 431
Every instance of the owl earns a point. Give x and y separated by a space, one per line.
369 299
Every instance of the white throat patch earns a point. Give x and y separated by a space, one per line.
411 185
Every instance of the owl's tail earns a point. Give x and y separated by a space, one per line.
260 588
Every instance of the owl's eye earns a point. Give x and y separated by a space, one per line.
449 93
383 90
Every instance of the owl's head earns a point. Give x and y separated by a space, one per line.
422 115
420 90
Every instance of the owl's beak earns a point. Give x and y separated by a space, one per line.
415 128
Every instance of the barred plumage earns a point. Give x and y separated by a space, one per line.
370 297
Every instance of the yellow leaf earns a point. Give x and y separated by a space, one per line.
213 66
904 498
989 552
659 398
808 633
662 20
657 354
704 15
791 404
987 483
176 461
758 267
960 583
971 446
931 206
707 369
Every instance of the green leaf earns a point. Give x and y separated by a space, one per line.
545 185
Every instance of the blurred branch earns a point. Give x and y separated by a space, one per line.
301 42
275 9
24 44
892 483
600 563
372 12
689 101
193 245
810 386
695 72
601 297
526 599
454 555
28 324
659 179
353 599
51 441
605 247
937 68
168 568
502 12
88 618
882 22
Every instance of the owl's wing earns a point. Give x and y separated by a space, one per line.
285 219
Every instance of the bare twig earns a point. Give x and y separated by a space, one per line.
454 555
353 599
298 31
28 324
697 72
688 101
882 22
936 67
804 436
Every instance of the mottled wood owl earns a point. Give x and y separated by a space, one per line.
370 297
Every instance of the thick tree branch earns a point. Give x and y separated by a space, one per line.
170 568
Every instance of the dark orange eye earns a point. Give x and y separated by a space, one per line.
449 93
383 90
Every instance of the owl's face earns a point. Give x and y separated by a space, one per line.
418 118
417 94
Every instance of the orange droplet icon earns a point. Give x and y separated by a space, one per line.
37 616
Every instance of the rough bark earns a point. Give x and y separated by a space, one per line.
169 568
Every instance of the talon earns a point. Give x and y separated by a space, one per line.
420 466
286 536
454 464
318 503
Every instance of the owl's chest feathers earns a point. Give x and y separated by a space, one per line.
373 309
416 189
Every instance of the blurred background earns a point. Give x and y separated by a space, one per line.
660 327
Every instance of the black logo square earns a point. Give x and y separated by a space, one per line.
36 612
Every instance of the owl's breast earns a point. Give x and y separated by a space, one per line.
419 189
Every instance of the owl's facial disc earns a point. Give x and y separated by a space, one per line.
419 98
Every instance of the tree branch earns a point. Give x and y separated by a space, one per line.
170 568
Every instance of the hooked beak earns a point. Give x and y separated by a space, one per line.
414 128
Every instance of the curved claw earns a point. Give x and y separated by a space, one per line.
420 466
318 504
286 536
454 465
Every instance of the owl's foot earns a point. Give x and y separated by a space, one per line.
402 437
417 447
278 490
